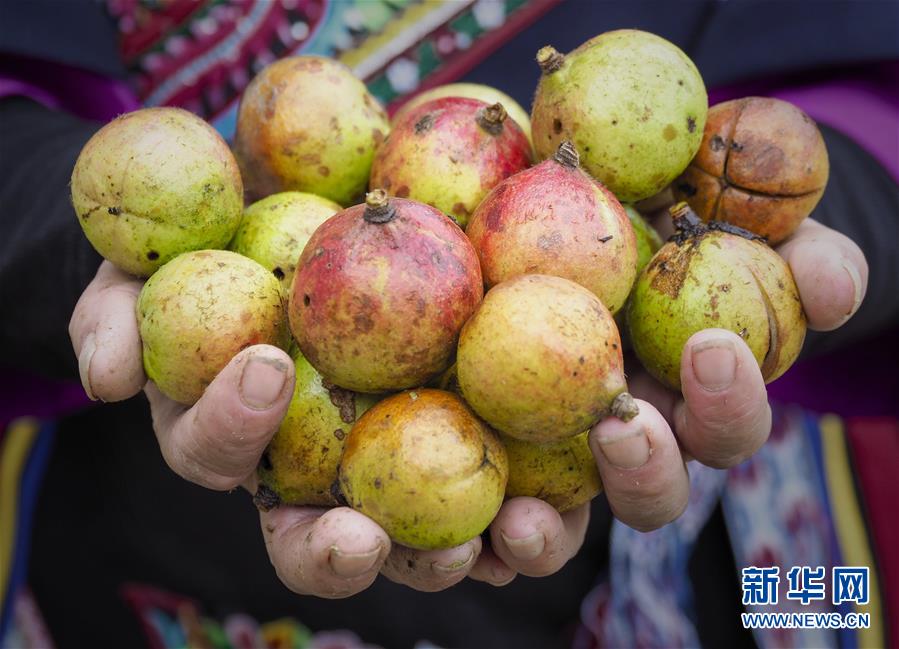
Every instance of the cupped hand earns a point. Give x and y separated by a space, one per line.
720 418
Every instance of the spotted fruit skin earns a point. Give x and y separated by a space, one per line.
438 153
274 230
425 468
300 463
715 280
561 473
153 184
305 123
648 239
762 166
540 360
633 104
487 94
554 219
378 307
198 311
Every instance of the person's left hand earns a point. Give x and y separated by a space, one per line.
721 418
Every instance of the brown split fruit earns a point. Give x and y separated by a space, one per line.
425 468
554 219
762 166
449 153
307 124
198 311
153 184
299 467
541 360
381 292
714 276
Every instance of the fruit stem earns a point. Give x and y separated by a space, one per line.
491 118
266 499
687 223
378 208
549 59
624 407
567 155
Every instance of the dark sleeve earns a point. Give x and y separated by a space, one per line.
45 259
862 202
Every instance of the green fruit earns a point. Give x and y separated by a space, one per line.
540 359
307 124
633 104
275 230
155 183
487 94
648 240
712 278
300 465
198 311
423 467
562 473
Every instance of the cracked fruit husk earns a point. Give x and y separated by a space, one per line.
762 166
487 94
449 153
425 468
707 277
562 473
274 230
198 311
307 124
153 184
554 219
633 104
381 292
299 467
540 360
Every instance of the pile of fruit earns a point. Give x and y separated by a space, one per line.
454 329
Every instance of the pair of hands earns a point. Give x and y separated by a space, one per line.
721 418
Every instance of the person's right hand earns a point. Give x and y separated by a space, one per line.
218 441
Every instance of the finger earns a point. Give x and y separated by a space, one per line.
831 273
104 334
431 570
724 417
532 538
217 442
491 569
642 470
324 552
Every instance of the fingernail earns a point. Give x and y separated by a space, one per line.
526 549
261 382
714 363
630 450
352 564
88 347
501 578
857 295
455 566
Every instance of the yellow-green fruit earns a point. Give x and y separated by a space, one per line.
562 473
633 104
487 94
300 465
425 468
155 183
648 240
275 230
540 359
306 123
710 278
198 311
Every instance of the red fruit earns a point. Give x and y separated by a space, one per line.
554 219
449 153
381 292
